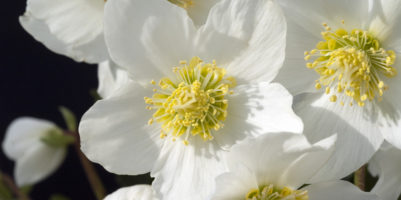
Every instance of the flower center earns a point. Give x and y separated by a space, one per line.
195 103
352 63
272 193
182 3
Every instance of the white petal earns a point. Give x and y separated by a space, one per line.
40 31
393 42
136 192
235 185
73 28
188 172
200 10
257 25
312 13
111 78
72 21
257 109
114 132
314 158
22 134
294 74
374 167
148 37
389 121
389 110
38 163
277 158
336 190
92 52
304 19
385 23
388 163
358 134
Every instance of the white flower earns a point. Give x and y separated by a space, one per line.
241 42
74 28
386 164
111 78
352 51
137 192
69 27
24 143
276 166
197 10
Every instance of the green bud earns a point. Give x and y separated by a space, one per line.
69 118
55 138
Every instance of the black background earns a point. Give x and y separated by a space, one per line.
34 82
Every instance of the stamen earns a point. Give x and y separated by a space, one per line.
273 193
196 105
352 63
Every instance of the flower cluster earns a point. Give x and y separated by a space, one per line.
227 99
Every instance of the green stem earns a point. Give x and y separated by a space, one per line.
10 183
90 171
360 178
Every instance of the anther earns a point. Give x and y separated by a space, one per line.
345 63
186 107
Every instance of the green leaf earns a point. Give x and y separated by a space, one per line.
56 138
69 118
58 197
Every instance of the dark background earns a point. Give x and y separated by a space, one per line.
34 82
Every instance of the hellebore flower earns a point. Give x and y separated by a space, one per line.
212 90
37 146
276 166
342 57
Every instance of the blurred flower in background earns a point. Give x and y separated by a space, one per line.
37 146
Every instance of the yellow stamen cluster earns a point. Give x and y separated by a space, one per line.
182 3
352 63
195 103
272 193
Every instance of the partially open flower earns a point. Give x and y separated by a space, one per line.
37 146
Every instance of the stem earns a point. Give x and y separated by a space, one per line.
93 177
359 178
10 183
